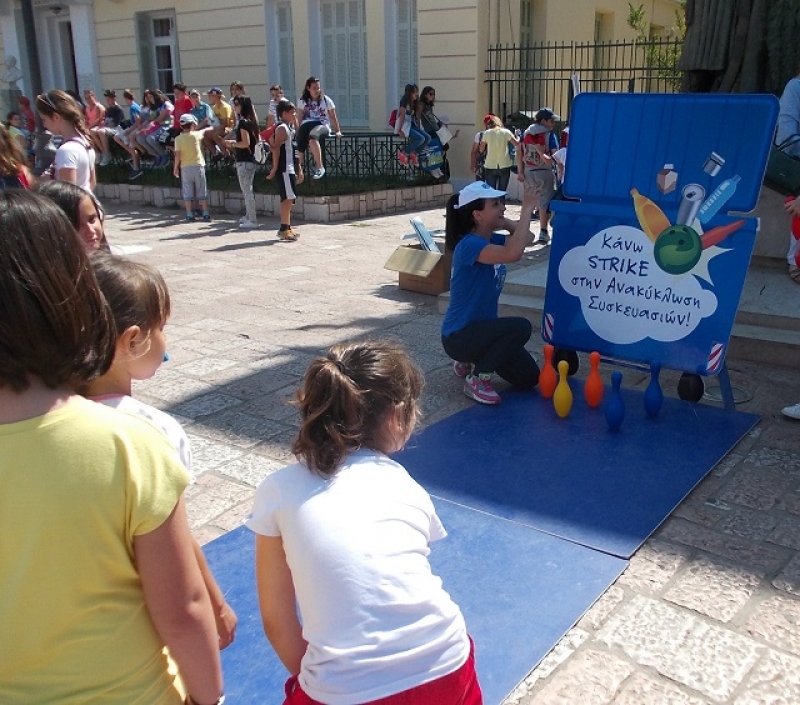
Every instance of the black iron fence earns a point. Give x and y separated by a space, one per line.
355 162
524 78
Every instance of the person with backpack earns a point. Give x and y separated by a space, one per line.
476 157
495 145
13 171
407 125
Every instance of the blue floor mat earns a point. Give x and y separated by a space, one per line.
572 477
520 590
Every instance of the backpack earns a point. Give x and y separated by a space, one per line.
393 117
261 152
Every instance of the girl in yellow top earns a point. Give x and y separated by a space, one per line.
96 554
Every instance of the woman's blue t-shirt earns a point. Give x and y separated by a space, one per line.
474 287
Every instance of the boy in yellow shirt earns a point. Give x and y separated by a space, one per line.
190 161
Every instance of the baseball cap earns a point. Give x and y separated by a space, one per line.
188 119
475 191
215 90
545 114
110 94
489 118
194 91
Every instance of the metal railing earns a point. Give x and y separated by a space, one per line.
357 161
525 78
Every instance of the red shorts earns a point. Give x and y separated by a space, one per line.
458 688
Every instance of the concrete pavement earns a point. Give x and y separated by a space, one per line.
709 609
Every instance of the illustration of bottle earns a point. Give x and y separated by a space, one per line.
650 216
721 195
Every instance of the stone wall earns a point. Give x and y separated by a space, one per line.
320 209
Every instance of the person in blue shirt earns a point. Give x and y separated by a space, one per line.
473 335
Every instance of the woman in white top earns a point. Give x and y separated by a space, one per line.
344 534
318 120
74 160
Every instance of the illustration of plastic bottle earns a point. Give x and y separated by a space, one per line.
717 199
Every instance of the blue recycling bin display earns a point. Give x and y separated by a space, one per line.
648 264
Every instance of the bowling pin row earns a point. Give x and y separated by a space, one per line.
557 387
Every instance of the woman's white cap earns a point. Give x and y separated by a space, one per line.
476 190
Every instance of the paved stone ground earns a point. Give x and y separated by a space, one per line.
709 609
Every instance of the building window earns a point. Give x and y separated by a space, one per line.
526 23
407 71
157 36
283 13
344 60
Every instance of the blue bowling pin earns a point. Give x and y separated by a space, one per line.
653 396
615 407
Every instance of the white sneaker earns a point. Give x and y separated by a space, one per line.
248 224
437 173
318 173
105 160
793 412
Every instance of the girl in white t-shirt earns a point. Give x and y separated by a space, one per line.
344 535
318 120
74 160
139 301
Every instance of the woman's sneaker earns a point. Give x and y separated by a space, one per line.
792 412
462 369
402 157
247 225
413 158
287 235
480 389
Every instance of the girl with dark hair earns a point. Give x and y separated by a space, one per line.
407 125
243 146
151 137
92 514
473 335
13 169
74 160
344 535
139 300
83 210
318 120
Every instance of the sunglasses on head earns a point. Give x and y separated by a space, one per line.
47 100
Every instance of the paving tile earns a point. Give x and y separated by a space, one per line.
714 588
208 454
237 429
205 405
760 556
653 566
786 533
757 487
748 523
249 468
679 645
600 610
777 621
774 680
643 688
563 650
788 579
590 678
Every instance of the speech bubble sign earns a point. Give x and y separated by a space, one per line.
625 296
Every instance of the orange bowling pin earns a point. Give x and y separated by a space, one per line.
562 397
593 387
547 377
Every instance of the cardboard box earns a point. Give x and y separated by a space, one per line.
425 272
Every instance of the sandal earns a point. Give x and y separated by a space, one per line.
794 273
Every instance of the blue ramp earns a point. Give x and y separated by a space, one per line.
520 591
572 477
